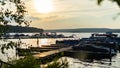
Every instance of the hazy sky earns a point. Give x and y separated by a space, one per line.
65 14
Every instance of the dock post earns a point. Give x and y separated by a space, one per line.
37 42
0 64
119 48
110 53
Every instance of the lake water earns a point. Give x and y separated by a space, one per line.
73 62
77 63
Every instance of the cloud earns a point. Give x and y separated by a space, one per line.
51 17
76 13
34 18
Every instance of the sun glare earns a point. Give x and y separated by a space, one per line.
43 6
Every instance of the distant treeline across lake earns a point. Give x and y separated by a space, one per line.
87 30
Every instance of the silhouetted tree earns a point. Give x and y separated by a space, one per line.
10 15
116 1
11 11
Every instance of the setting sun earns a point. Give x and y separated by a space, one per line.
43 6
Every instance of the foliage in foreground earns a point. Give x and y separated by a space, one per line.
116 1
31 62
58 64
27 62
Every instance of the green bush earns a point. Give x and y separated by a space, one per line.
58 64
31 62
27 62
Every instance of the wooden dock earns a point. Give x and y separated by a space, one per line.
48 53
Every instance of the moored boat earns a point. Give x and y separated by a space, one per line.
99 44
93 48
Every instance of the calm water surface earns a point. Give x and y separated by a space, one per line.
76 63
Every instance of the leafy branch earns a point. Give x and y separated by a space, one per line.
116 1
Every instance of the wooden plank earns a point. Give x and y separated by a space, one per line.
44 54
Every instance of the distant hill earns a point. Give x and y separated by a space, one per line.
86 30
21 29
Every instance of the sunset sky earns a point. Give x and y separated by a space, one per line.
68 14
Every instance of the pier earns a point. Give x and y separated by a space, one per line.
48 56
45 51
52 52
